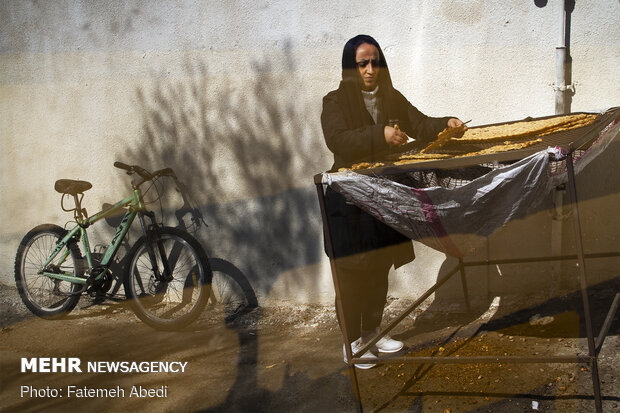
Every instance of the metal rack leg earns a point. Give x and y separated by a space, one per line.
584 284
607 324
464 283
339 308
347 344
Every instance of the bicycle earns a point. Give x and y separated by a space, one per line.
232 294
167 279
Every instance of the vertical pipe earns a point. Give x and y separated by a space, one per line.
560 61
560 109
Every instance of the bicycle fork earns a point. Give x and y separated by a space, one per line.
152 238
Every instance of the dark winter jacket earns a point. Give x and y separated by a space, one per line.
352 135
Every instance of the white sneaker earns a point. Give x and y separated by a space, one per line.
389 345
355 347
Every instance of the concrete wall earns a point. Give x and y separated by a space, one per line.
229 95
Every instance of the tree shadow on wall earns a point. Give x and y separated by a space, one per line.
246 152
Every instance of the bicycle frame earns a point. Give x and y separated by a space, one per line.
134 206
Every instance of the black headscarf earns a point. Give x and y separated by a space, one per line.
350 86
350 73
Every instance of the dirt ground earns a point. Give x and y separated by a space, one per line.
282 358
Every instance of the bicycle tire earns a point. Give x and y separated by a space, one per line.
174 304
231 293
46 297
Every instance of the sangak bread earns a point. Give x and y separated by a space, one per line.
444 137
362 165
420 157
425 156
506 146
407 161
525 129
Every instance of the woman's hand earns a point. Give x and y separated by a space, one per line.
455 122
394 137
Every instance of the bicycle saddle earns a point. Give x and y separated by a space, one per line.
71 187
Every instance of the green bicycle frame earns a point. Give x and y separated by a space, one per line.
134 206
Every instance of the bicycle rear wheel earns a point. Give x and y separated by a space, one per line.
171 304
231 293
44 296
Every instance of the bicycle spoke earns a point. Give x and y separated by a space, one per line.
178 295
44 296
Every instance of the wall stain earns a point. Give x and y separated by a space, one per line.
462 11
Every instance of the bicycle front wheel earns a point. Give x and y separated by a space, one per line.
168 301
46 297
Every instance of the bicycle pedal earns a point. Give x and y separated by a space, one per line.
98 296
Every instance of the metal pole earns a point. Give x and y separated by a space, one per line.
560 61
572 188
560 109
464 283
607 323
339 308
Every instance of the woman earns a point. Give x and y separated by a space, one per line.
358 124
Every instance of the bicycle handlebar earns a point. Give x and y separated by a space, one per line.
121 165
149 176
143 173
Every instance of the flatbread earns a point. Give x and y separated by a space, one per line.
362 165
505 147
444 137
421 157
425 156
407 161
525 129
